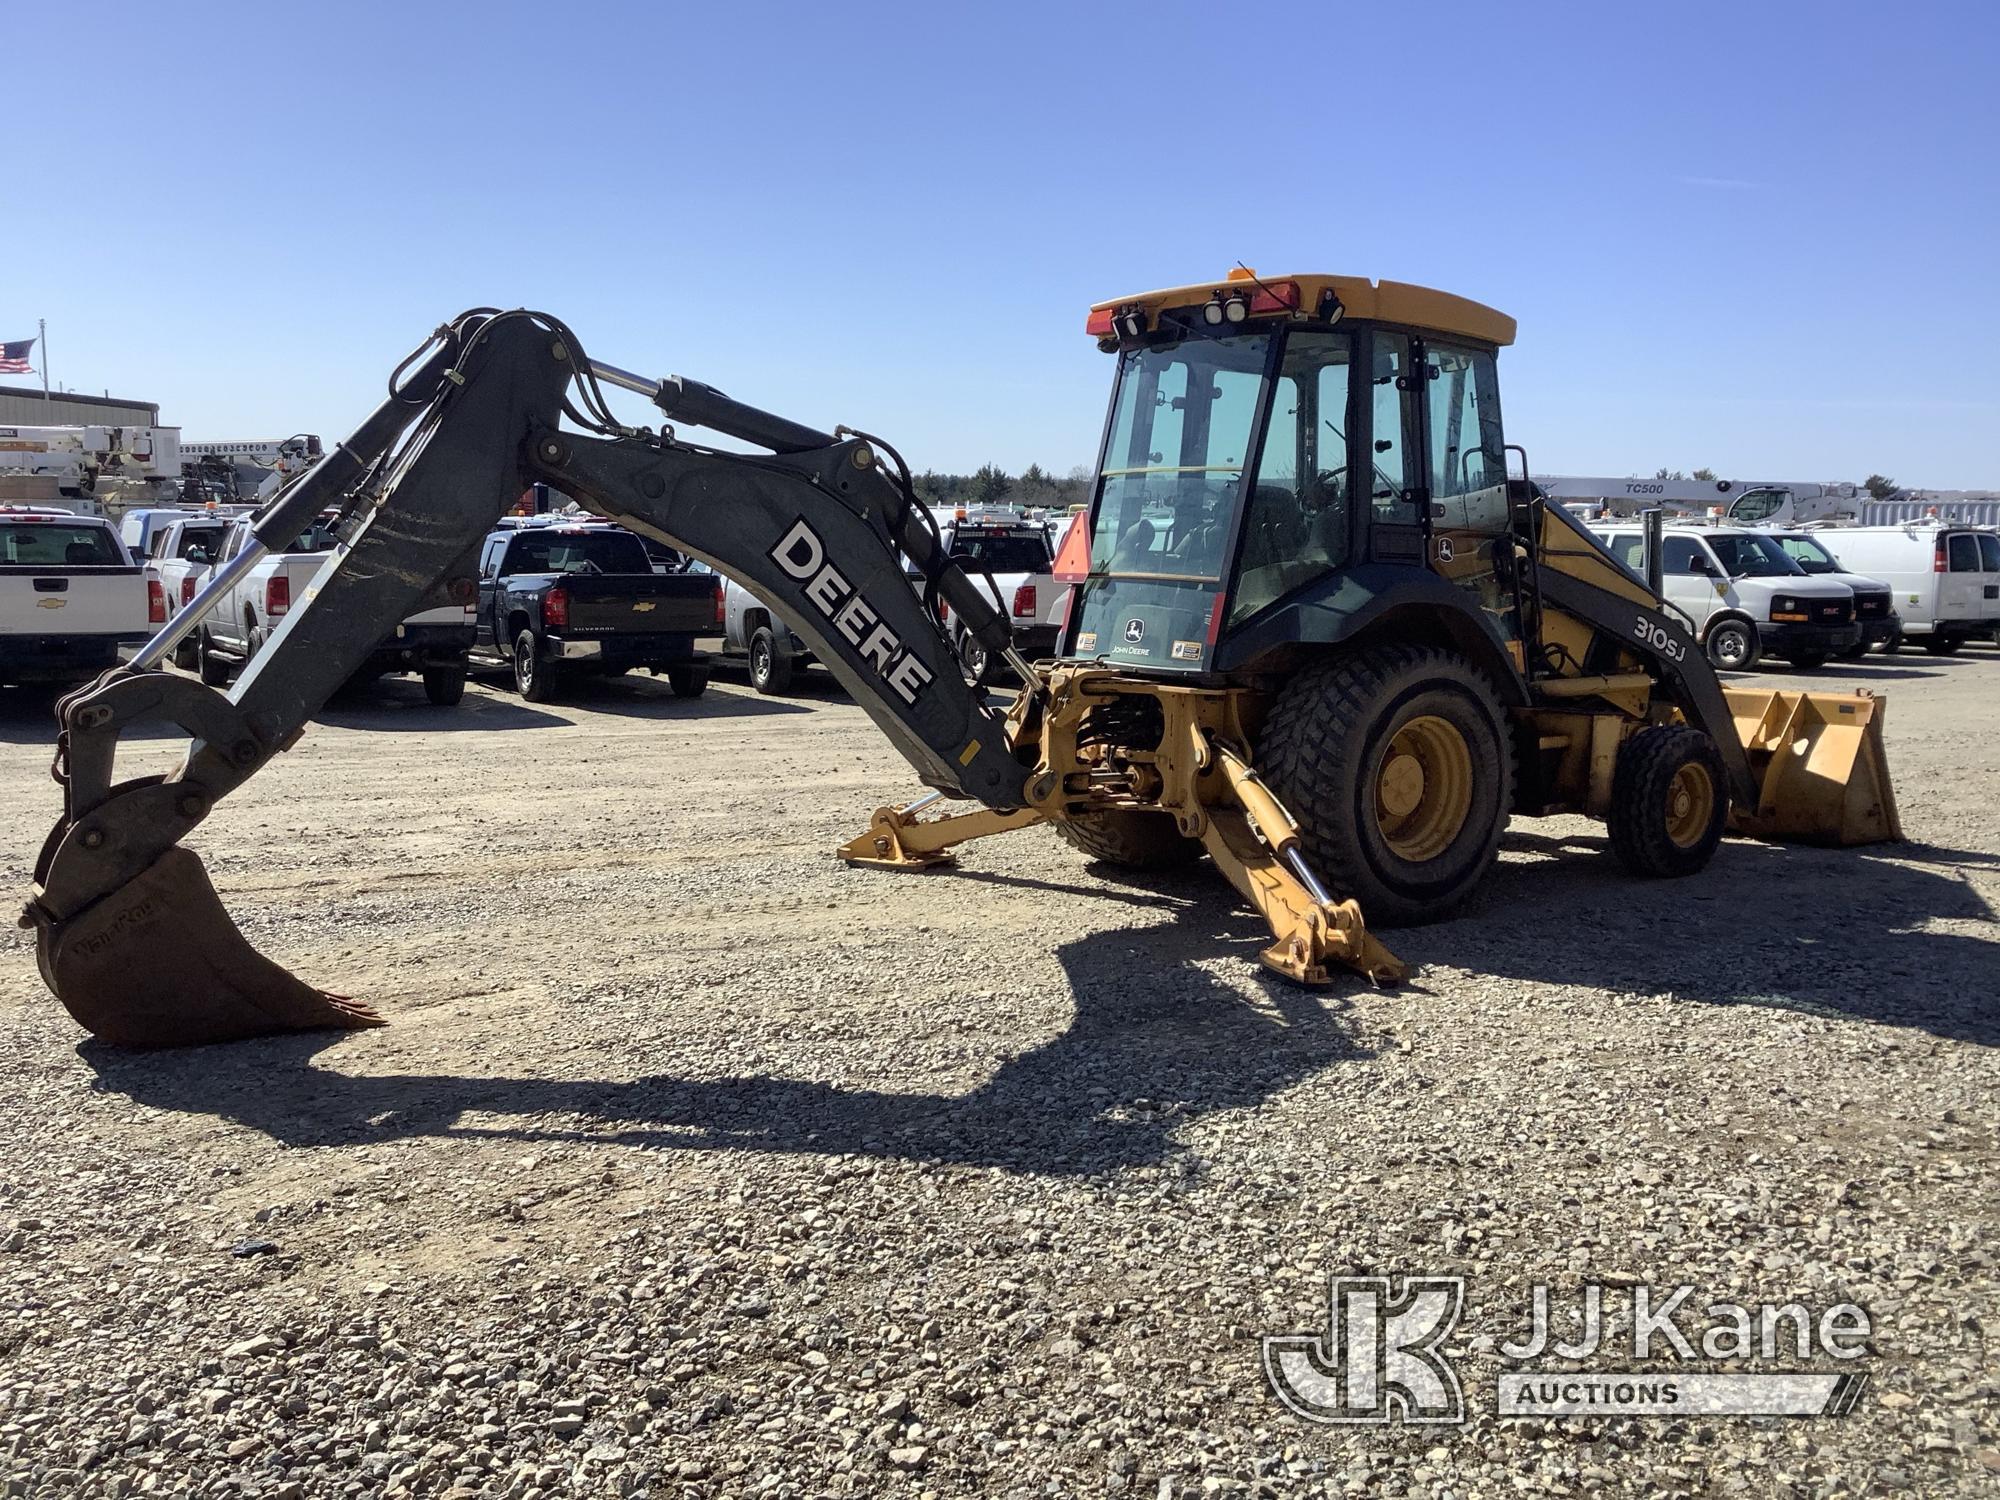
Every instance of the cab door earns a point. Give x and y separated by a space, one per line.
1465 473
485 632
1688 577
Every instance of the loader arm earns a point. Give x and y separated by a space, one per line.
817 526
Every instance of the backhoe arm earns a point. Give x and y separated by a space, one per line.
815 529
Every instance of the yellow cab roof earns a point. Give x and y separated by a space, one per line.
1378 301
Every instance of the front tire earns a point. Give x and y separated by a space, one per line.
1668 801
1397 764
534 679
214 669
1732 645
1808 661
770 664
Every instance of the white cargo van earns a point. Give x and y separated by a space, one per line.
1874 601
1744 596
1946 578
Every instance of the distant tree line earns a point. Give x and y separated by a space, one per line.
990 484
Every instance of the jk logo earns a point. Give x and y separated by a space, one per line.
1378 1355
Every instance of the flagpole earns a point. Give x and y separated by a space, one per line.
42 329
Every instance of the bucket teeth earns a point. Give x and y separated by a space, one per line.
159 963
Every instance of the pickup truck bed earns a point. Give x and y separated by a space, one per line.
570 599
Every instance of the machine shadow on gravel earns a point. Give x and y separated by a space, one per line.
1825 932
1156 1041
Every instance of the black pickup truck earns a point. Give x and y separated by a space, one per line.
577 598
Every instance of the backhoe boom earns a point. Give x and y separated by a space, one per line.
820 531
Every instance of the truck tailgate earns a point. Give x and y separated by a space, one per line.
603 604
73 601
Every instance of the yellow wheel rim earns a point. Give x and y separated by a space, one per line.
1423 791
1690 805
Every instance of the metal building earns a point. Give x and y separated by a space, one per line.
23 405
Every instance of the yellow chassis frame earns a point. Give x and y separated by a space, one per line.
1199 776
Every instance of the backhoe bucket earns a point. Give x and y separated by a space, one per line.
159 963
1822 772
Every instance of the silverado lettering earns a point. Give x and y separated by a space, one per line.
803 557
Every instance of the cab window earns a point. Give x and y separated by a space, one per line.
1392 484
1679 554
1467 453
1631 551
1297 527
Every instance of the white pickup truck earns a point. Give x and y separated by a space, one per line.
182 552
70 596
433 642
1015 554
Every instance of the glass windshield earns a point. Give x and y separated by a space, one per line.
1809 554
1003 551
577 552
1758 505
1743 555
1180 435
1182 426
38 544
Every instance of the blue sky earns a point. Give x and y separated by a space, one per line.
1757 236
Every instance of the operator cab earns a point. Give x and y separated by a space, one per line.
1270 440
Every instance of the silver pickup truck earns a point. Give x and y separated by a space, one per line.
753 635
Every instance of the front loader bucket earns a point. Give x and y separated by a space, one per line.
159 963
1822 773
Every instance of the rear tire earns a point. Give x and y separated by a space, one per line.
975 661
214 669
770 664
1942 645
1732 645
444 686
1668 801
1397 764
1132 840
534 679
688 681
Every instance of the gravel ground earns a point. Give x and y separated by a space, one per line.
694 1163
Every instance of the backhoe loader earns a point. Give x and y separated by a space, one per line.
1316 632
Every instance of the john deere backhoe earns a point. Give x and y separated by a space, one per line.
1316 633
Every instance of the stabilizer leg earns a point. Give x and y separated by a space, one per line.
896 840
1256 844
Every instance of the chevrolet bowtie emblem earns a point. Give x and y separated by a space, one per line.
50 603
643 606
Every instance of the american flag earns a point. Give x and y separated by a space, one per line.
14 357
